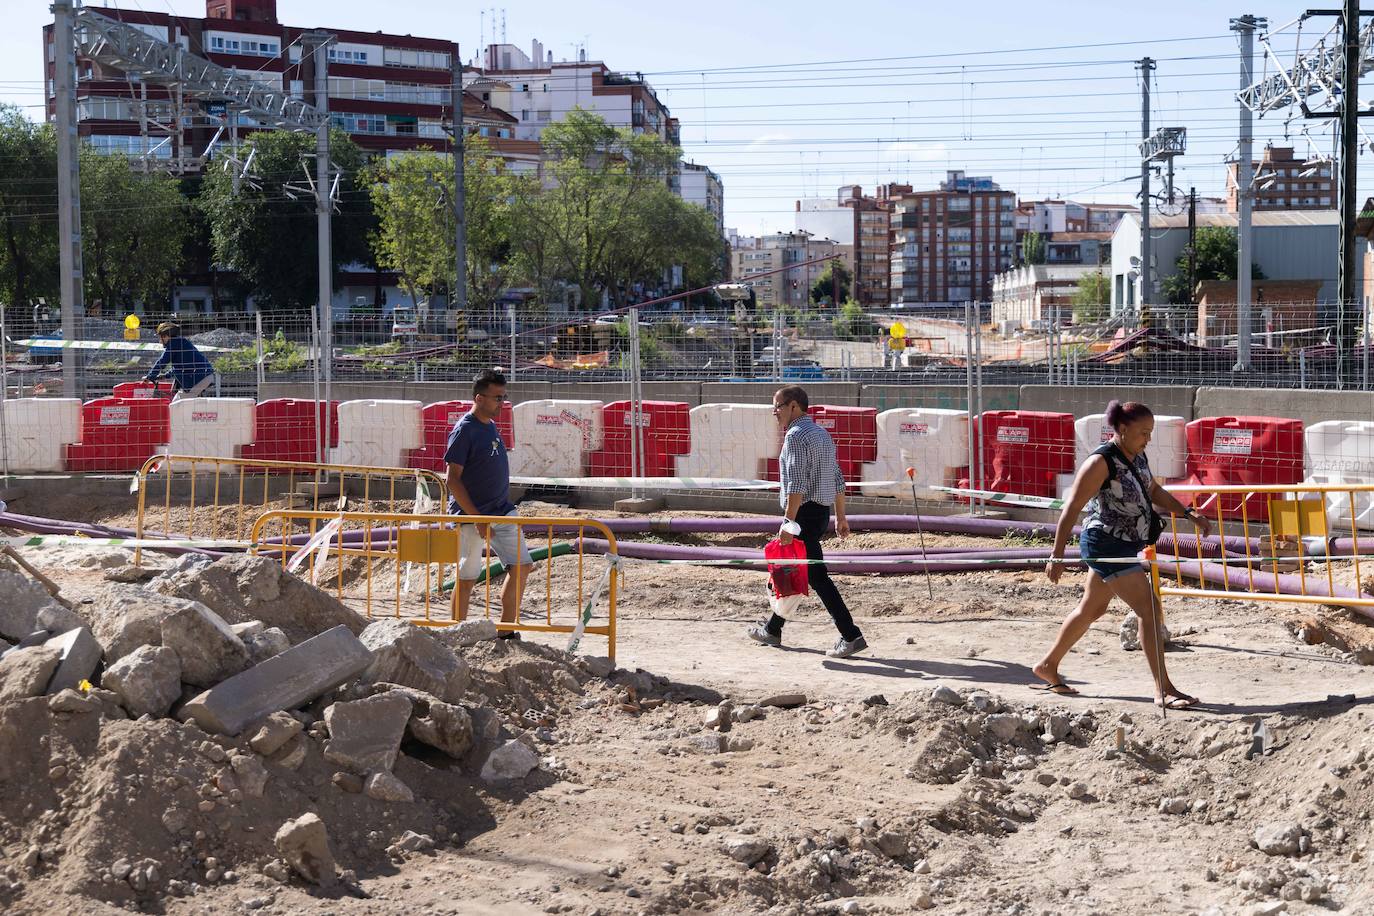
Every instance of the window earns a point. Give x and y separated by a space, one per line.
253 47
347 56
345 87
423 60
359 123
1326 201
298 89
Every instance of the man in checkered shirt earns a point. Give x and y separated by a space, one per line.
811 485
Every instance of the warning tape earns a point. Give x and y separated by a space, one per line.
76 540
1010 499
58 344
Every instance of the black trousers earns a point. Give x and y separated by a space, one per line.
814 519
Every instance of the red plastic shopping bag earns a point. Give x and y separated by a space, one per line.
786 581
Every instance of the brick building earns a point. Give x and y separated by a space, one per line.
390 92
948 244
1284 182
791 286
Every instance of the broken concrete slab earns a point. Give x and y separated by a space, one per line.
80 654
245 588
286 681
385 786
24 598
512 760
26 672
443 726
208 649
266 643
304 844
57 619
124 618
147 680
403 653
365 735
276 730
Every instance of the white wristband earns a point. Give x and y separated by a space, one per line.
790 527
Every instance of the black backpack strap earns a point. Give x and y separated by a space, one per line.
1108 450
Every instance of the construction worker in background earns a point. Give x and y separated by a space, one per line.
190 371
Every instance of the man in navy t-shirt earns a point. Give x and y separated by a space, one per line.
479 484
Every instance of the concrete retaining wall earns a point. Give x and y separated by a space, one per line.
836 394
1307 406
1165 400
945 397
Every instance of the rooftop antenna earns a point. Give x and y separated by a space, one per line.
503 25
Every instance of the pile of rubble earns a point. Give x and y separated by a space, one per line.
228 722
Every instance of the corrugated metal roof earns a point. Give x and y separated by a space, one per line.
1260 218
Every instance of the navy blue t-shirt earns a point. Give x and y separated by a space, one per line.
478 448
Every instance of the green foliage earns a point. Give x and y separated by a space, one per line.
266 231
134 229
823 290
1216 260
28 198
605 219
1092 298
852 323
279 355
1033 248
413 199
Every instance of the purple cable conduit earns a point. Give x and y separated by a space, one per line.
38 525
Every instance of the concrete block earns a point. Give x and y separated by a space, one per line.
403 653
365 735
286 681
1085 400
639 504
208 649
687 392
80 654
147 680
25 672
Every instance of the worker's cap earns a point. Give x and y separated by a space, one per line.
169 329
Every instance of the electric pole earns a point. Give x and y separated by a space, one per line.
1146 67
68 189
1192 240
1346 191
316 44
460 226
1245 192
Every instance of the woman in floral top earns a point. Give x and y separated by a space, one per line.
1116 486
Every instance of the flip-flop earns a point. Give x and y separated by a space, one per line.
1058 687
1178 701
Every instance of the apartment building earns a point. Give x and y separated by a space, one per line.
1074 233
862 222
948 244
1282 181
788 253
391 93
703 187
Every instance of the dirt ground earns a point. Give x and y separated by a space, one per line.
875 796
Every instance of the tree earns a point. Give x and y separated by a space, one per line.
265 230
1216 260
1033 248
134 228
413 199
28 203
1092 297
823 290
599 184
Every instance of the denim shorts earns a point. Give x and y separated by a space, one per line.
1096 545
507 542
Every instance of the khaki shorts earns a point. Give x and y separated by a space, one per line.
507 542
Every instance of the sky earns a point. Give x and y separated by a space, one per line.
791 101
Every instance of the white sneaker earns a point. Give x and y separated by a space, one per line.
847 647
759 633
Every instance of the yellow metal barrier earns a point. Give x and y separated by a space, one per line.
1275 534
358 543
225 495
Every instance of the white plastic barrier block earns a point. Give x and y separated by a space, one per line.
932 440
1341 453
1167 451
377 433
211 427
37 431
553 437
730 440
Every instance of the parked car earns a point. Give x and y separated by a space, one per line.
404 324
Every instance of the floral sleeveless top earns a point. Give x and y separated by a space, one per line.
1121 508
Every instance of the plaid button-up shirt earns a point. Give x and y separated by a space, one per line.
808 465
